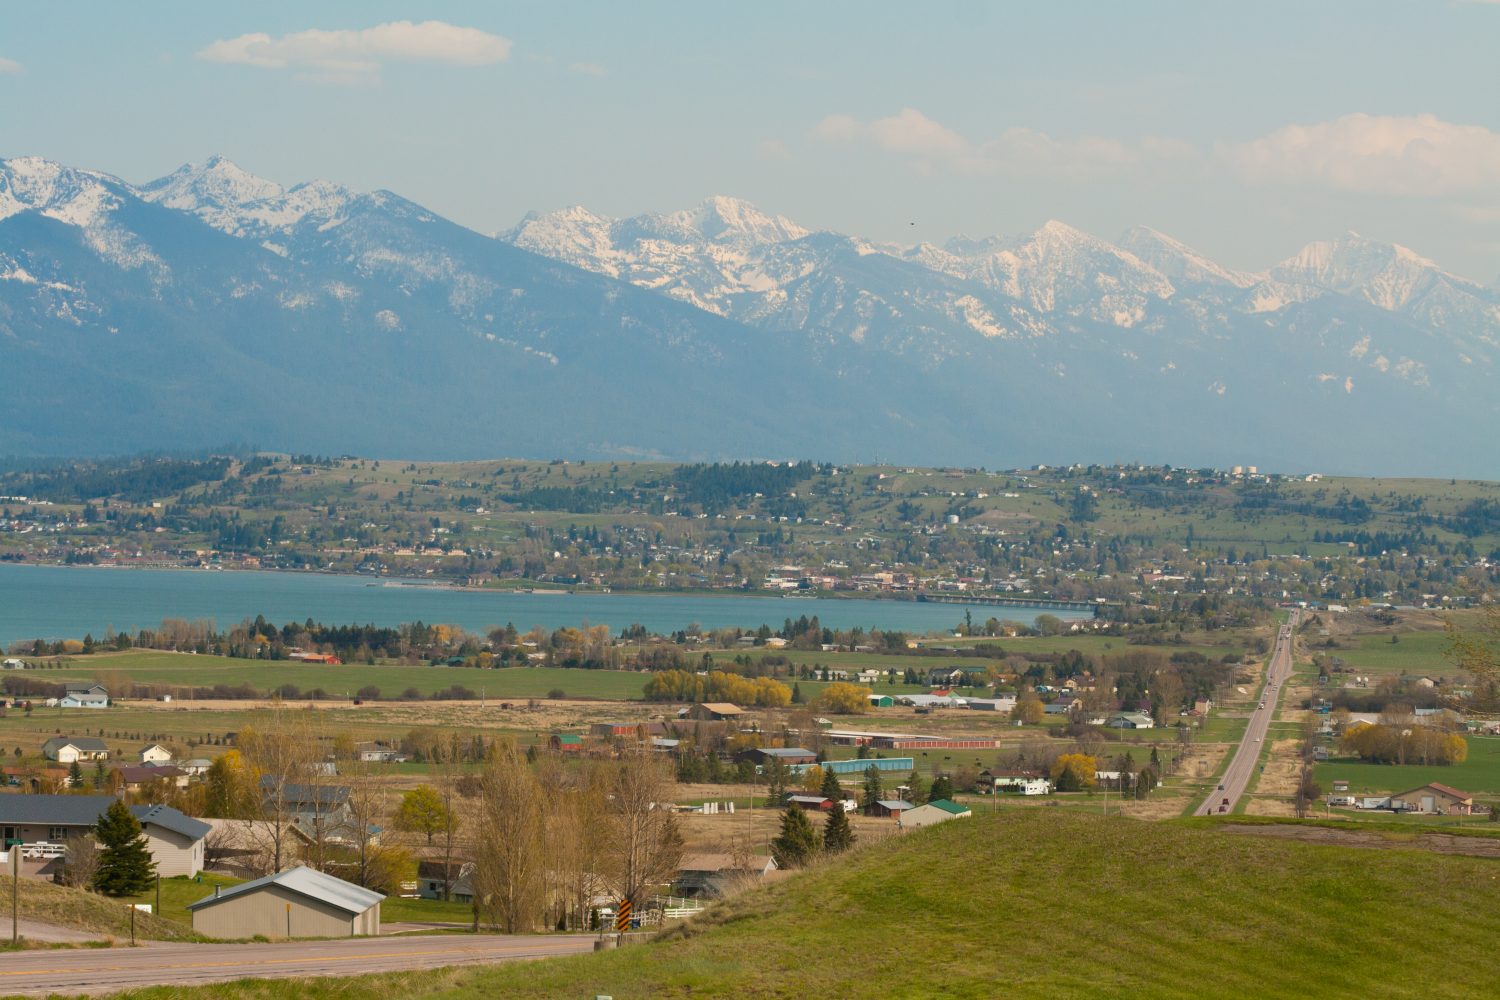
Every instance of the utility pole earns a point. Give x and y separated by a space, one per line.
15 893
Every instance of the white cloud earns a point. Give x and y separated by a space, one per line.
1417 156
11 67
589 69
352 55
773 150
1014 151
909 132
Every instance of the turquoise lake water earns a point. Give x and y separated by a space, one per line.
53 602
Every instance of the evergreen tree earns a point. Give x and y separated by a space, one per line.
125 865
101 776
75 775
831 789
797 698
873 791
918 786
775 780
797 843
838 835
942 788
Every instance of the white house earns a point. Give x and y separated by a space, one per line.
84 696
12 663
154 753
68 749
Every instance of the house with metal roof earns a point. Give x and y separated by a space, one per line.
935 812
67 749
297 902
888 807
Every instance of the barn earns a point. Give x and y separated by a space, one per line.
297 902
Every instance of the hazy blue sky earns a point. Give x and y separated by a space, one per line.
1244 129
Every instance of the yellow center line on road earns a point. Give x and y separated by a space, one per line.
251 963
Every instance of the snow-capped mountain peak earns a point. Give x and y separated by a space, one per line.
237 202
78 197
1385 274
216 183
722 219
573 234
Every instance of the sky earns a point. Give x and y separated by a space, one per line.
1244 129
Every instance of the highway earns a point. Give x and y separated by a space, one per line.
1236 778
96 971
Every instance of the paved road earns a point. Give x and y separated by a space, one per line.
1242 768
90 970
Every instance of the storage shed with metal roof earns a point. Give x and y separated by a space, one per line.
297 902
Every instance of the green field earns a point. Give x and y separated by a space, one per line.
188 671
1415 653
1034 903
1479 774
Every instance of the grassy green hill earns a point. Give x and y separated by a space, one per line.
1037 903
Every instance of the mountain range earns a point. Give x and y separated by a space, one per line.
212 306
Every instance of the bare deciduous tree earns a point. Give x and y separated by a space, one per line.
509 868
644 846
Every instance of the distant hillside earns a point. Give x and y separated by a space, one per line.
1037 903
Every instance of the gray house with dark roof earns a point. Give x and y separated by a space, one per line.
40 823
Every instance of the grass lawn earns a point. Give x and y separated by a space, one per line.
179 891
1204 913
1479 774
401 909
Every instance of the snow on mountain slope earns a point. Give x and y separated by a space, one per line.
1060 269
1178 262
713 256
86 199
81 198
948 343
237 202
1393 278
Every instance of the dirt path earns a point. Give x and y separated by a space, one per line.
1438 843
35 930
